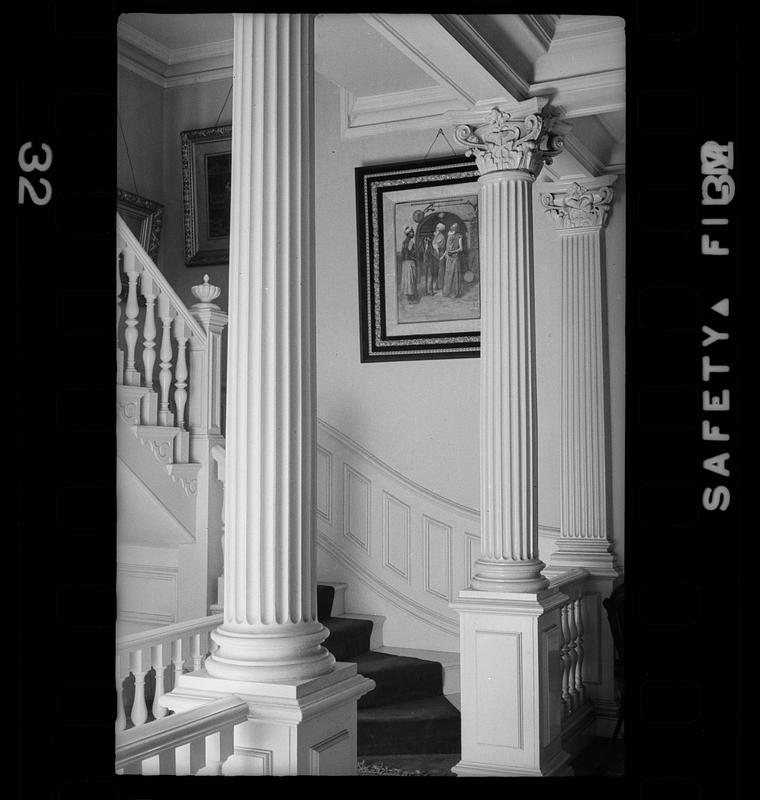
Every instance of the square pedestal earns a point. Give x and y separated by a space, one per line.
511 684
303 727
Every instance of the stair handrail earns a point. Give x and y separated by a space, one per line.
163 737
167 633
164 651
126 237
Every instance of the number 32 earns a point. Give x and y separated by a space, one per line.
24 184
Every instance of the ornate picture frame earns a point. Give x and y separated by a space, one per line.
419 276
143 217
206 176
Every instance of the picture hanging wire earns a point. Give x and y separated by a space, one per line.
440 133
126 147
223 105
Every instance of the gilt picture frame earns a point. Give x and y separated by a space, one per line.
418 259
206 184
143 217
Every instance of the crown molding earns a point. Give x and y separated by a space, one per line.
169 68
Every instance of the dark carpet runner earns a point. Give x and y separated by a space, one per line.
406 712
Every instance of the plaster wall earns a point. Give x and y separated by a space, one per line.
421 417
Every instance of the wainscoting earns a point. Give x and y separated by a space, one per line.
400 547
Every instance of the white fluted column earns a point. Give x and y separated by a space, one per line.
508 153
302 703
509 620
580 212
270 629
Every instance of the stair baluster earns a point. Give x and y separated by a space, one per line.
166 314
132 269
149 329
119 351
121 717
565 658
579 685
139 713
180 384
196 652
157 657
177 659
573 653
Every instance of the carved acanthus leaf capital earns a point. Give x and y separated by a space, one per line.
504 143
579 206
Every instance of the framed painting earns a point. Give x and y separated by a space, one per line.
143 218
419 274
206 177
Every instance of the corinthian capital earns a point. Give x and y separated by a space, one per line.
579 205
512 141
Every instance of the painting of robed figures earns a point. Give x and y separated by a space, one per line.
419 266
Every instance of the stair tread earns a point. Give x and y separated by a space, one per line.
427 708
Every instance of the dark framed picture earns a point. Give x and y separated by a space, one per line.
143 218
206 183
419 273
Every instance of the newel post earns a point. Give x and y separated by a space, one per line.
205 406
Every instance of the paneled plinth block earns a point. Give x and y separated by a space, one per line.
511 684
298 727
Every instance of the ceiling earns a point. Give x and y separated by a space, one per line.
406 71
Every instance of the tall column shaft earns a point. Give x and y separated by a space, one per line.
580 212
508 425
270 630
509 149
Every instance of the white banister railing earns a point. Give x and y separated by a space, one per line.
146 664
571 584
189 374
195 742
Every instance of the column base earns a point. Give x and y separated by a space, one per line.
511 683
295 727
274 653
597 556
509 576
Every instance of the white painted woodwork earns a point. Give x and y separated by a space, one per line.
205 400
121 718
163 738
132 269
166 315
181 374
294 727
149 329
270 628
139 712
511 684
157 662
580 212
509 149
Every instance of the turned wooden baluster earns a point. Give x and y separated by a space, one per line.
139 713
119 351
177 659
573 653
132 269
579 685
121 717
157 657
149 329
166 314
196 652
180 384
565 658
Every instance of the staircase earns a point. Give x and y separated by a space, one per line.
407 712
